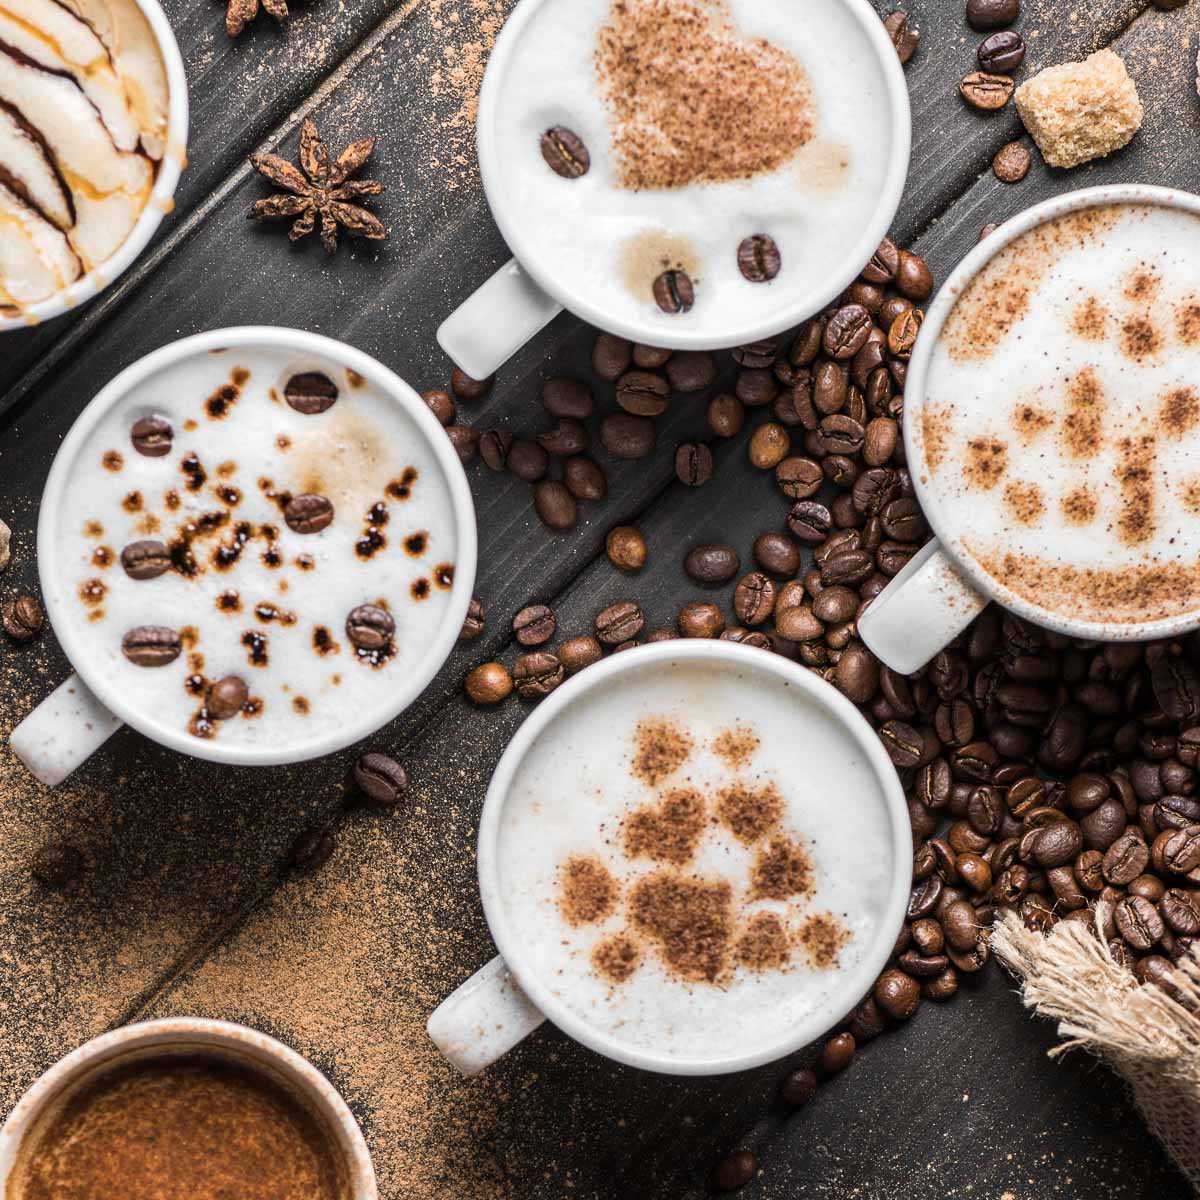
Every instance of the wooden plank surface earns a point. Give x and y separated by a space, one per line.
182 909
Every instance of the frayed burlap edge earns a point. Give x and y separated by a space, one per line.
1151 1039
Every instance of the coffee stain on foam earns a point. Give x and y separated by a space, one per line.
822 166
346 461
646 255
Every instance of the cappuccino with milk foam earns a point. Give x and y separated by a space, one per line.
1059 431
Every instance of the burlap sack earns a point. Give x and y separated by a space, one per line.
1150 1039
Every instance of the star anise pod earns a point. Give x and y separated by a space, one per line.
321 190
241 12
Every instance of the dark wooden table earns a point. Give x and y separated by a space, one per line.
183 909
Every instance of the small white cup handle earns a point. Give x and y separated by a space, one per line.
495 321
922 610
483 1019
63 732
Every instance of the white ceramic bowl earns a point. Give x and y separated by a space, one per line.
161 198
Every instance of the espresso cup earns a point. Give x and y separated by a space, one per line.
235 1044
860 144
797 742
1086 515
342 448
161 199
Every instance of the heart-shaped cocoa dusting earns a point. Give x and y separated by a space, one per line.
668 832
691 101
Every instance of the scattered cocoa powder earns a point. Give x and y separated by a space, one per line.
588 891
763 944
1137 521
987 460
617 957
1079 506
750 813
667 832
822 937
661 748
1024 502
1091 320
736 746
781 870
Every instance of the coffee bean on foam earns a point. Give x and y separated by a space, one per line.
1061 422
280 527
720 183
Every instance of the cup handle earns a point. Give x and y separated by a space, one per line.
63 732
495 321
483 1019
922 610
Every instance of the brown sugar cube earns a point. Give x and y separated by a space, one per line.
1080 111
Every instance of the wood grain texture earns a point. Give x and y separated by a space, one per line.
182 909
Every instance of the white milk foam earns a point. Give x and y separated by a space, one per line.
1060 425
579 232
575 787
350 454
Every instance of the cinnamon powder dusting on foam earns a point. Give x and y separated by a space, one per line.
1136 522
616 958
1079 506
1030 422
750 813
987 460
1140 339
692 102
691 921
1180 410
823 937
763 944
1187 322
1083 421
589 892
1025 502
781 870
660 748
736 746
1189 493
1091 320
1141 285
666 833
935 431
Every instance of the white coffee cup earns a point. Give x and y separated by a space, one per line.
520 299
161 199
82 713
508 998
942 589
194 1035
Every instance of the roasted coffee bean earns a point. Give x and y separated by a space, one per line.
1086 792
1138 922
152 436
527 460
1002 53
1149 886
904 37
1180 909
151 646
974 959
836 1054
712 564
769 446
473 623
488 683
846 331
1089 870
565 153
856 675
884 263
830 387
227 697
1057 843
308 513
902 742
1012 162
879 445
798 624
465 387
554 504
913 278
441 404
902 336
848 567
693 464
893 557
534 625
626 548
868 1021
673 292
643 394
841 434
754 598
22 618
928 936
310 392
758 258
798 1088
691 371
777 553
1181 850
934 784
1176 812
649 357
943 988
986 91
734 1172
661 635
1103 826
992 14
700 620
756 389
566 397
369 627
568 437
626 436
1125 859
146 559
381 779
536 675
494 445
810 521
835 604
746 637
921 966
726 415
310 851
1176 687
898 994
798 478
869 295
57 865
584 478
619 622
611 356
579 652
974 871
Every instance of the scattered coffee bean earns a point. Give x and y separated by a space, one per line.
798 1088
370 628
898 994
777 553
649 357
565 153
566 397
152 436
310 392
554 504
836 1054
904 37
726 415
22 618
567 438
308 513
758 258
381 779
914 280
846 331
227 697
494 445
527 460
534 625
798 478
536 675
712 564
691 371
626 548
441 404
579 652
151 646
1012 162
585 479
611 356
754 598
619 623
488 684
693 464
992 14
700 620
986 91
734 1172
769 446
57 865
673 292
473 623
643 394
1002 53
310 851
626 436
466 388
884 263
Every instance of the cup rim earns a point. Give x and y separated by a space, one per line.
854 985
915 395
167 1031
394 388
161 196
787 315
